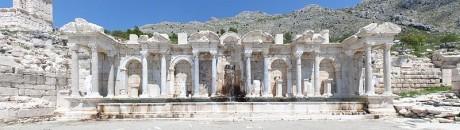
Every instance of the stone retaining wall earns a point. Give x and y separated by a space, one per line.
409 73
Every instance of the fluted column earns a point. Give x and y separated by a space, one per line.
163 89
298 57
387 69
249 87
196 74
316 80
145 79
370 90
266 90
75 71
111 79
94 71
214 74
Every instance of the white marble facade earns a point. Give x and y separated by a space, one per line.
205 64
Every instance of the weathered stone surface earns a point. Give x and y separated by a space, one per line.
8 91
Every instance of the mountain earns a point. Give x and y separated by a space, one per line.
428 15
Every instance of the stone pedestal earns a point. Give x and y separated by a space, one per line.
380 105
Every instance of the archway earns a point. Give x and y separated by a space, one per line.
327 77
134 78
278 76
182 79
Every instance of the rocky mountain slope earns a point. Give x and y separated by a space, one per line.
429 15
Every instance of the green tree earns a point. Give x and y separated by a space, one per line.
231 29
416 41
173 38
450 37
221 32
287 37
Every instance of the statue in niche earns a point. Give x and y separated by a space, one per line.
308 88
181 84
279 86
256 87
88 84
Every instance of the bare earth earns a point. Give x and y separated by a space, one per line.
384 124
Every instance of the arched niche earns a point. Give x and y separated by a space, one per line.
278 76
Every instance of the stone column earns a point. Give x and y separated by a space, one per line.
145 74
266 90
298 56
289 82
75 71
316 80
370 90
196 74
111 82
214 74
94 72
163 76
249 87
387 69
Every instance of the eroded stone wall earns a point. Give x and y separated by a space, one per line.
33 69
408 73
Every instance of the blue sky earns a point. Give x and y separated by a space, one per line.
123 14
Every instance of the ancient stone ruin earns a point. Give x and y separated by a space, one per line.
79 72
146 75
28 15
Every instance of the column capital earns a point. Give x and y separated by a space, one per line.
388 45
93 47
247 53
213 52
196 52
111 53
145 52
350 52
298 53
265 53
75 47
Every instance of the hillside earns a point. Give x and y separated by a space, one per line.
429 15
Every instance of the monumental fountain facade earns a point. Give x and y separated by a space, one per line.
205 72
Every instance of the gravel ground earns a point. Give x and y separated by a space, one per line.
382 124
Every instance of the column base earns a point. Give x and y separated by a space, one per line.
95 95
388 94
144 96
75 95
370 94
